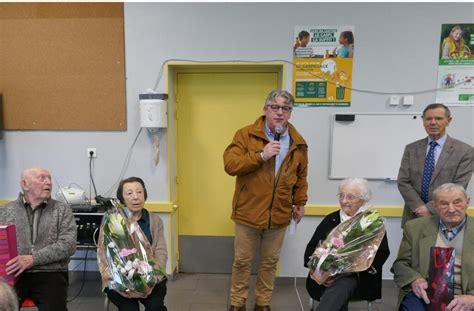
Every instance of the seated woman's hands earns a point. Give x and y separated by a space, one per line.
322 278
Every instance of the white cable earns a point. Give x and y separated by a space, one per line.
298 295
93 236
126 162
80 263
160 74
156 146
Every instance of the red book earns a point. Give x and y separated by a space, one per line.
9 251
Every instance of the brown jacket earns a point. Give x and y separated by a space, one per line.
261 199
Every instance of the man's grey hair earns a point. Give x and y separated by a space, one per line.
273 95
8 298
447 188
361 183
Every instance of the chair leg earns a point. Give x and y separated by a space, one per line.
106 303
369 305
312 304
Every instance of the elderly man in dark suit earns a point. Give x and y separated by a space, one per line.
451 227
431 162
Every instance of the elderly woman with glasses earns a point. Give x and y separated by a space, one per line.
335 293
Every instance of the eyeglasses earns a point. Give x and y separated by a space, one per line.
285 109
348 197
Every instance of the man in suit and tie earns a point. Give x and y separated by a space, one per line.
431 162
451 227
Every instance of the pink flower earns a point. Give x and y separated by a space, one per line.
337 242
144 268
124 252
321 251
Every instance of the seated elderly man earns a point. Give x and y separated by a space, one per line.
354 193
450 228
46 238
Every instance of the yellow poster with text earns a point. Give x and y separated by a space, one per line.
322 82
322 70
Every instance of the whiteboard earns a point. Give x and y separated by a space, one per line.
371 146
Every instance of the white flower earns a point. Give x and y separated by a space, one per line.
135 263
130 273
116 224
111 244
128 265
123 271
365 222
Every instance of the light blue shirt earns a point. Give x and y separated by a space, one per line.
451 233
438 148
343 52
284 143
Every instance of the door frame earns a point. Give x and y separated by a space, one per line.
173 68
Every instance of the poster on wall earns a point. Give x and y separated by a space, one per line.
456 65
322 65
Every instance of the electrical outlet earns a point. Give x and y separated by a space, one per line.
394 100
93 151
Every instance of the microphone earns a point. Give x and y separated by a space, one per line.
278 131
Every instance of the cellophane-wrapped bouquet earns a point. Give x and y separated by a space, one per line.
349 247
133 268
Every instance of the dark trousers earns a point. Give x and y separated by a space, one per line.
154 302
336 296
47 289
411 302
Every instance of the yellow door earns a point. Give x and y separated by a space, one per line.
211 106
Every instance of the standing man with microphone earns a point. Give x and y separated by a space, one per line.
270 161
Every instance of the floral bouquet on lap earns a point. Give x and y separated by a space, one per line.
132 267
349 247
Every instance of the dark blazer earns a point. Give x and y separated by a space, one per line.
369 285
455 165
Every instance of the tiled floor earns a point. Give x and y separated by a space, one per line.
210 292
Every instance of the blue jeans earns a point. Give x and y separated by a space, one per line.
412 303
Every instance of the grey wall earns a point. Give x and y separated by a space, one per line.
396 51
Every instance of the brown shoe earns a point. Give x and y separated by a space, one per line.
234 308
262 308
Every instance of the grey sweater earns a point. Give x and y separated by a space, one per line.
56 235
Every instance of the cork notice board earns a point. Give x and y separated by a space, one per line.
62 66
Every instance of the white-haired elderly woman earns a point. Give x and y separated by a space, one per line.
354 194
